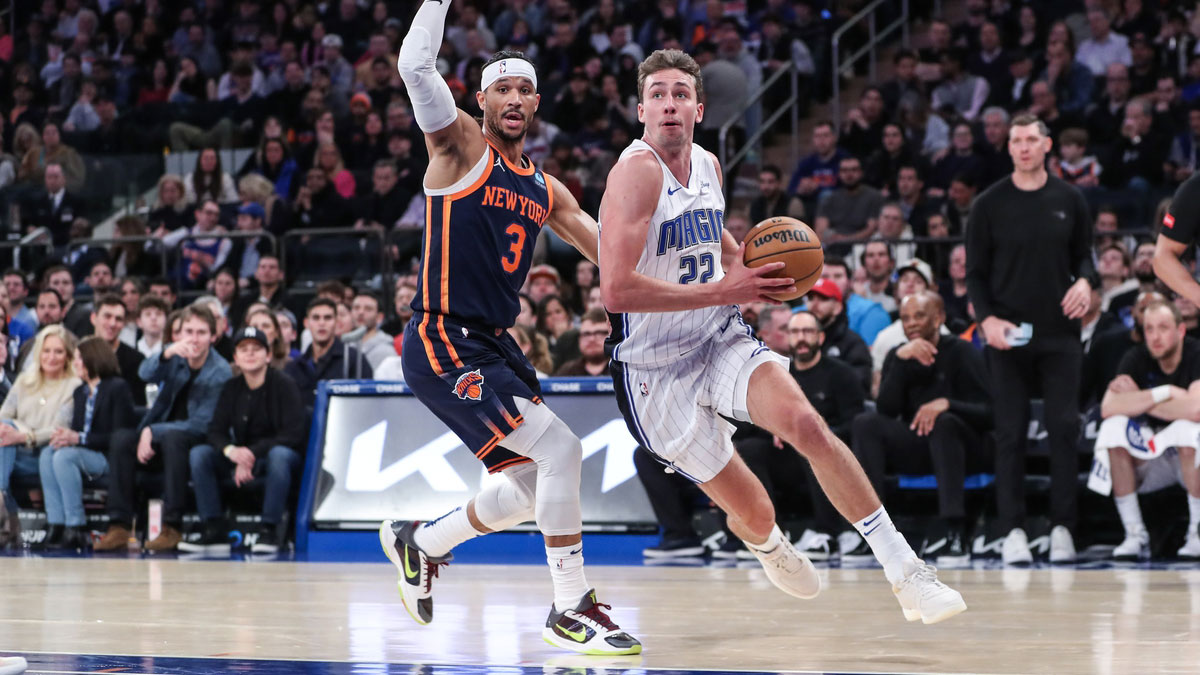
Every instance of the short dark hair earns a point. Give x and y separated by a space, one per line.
771 169
152 302
820 326
320 302
837 261
161 281
50 291
332 286
825 123
668 59
595 315
902 54
109 300
98 357
372 296
504 54
14 272
916 169
387 164
1073 136
52 270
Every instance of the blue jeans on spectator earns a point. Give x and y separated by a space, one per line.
62 482
280 467
19 461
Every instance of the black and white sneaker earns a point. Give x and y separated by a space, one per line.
948 550
270 540
588 630
860 555
417 570
675 548
818 545
214 541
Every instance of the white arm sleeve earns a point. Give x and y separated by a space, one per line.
432 102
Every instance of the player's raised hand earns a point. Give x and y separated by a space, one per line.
750 284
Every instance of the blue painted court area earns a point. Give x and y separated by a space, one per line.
70 664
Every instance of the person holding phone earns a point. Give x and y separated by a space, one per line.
1029 271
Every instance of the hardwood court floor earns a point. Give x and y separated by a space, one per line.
1019 621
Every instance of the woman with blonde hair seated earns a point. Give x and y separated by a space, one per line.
38 403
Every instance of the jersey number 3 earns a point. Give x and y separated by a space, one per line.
692 269
512 260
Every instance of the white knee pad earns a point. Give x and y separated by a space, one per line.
510 502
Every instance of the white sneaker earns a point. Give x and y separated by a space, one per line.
1135 547
1016 548
588 630
790 571
12 665
1191 547
1062 545
817 545
923 597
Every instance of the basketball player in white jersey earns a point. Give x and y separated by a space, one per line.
683 358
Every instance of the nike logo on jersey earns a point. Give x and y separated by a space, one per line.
671 192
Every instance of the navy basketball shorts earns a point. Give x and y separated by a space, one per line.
470 378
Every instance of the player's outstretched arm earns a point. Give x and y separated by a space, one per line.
570 222
1171 271
630 199
455 140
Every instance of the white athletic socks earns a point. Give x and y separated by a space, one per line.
566 571
437 537
1131 513
1193 514
888 545
773 541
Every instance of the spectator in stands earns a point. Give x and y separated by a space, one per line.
771 326
53 151
836 392
265 446
329 160
912 278
862 130
1135 162
318 203
265 320
244 253
287 331
224 287
953 290
1070 81
38 403
190 375
151 322
592 361
164 289
1114 267
932 411
957 208
544 281
877 259
341 73
99 278
402 306
108 319
839 341
960 91
76 316
905 83
884 162
1076 166
1104 47
771 200
915 206
849 213
192 85
268 277
101 404
209 181
55 208
374 343
170 211
1148 437
866 318
277 215
555 322
960 160
816 175
131 291
327 357
199 257
48 308
989 62
1184 157
1105 116
22 323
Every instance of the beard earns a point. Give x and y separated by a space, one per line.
1144 275
805 352
495 125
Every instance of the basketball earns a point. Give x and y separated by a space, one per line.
791 242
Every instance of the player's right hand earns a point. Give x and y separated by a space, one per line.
751 284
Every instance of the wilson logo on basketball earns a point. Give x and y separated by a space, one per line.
782 237
469 386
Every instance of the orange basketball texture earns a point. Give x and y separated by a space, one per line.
791 242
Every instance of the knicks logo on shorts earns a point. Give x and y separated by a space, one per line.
469 386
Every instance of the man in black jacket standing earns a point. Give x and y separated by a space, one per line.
253 435
326 358
1029 270
932 412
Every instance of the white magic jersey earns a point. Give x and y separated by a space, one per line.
683 245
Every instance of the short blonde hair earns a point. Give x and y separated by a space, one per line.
256 187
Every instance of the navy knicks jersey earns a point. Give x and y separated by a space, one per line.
479 237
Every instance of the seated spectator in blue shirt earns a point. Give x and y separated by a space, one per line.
23 323
866 317
190 375
102 405
816 175
265 443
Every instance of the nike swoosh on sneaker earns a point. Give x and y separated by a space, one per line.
410 573
578 636
937 545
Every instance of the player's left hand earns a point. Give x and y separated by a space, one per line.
1075 302
927 414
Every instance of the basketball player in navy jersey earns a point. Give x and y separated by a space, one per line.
485 204
683 361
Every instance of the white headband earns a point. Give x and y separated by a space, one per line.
508 68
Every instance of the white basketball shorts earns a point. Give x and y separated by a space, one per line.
675 411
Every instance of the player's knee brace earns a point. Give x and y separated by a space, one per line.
559 457
509 503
